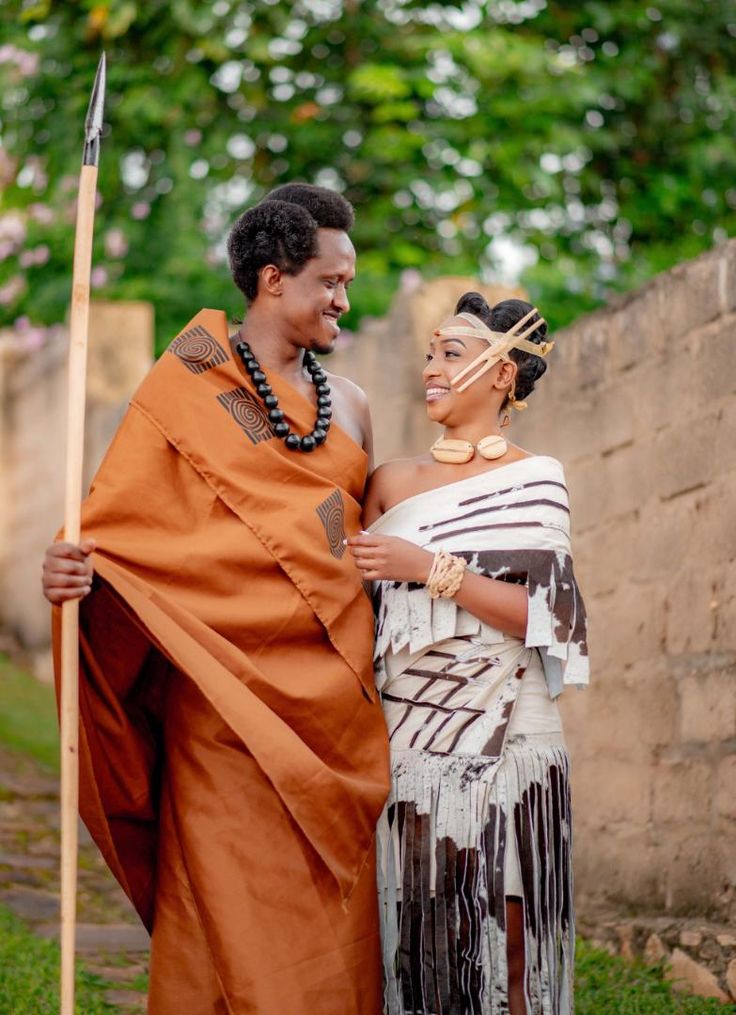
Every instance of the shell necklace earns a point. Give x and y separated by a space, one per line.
456 452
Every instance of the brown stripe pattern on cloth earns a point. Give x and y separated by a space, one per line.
447 911
463 792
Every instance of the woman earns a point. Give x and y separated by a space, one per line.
479 623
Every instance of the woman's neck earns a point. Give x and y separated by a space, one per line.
472 432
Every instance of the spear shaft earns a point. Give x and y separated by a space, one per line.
77 380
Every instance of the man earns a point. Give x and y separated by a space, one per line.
233 753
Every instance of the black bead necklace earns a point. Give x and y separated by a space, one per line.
276 416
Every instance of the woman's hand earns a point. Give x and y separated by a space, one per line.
67 571
388 558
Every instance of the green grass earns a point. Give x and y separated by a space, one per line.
29 975
607 985
28 722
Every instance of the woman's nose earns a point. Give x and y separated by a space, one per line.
430 368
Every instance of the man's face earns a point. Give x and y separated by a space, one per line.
313 301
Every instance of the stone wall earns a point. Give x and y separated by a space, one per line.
639 403
32 429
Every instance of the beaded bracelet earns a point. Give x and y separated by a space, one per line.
446 575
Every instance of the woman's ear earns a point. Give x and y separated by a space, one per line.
506 375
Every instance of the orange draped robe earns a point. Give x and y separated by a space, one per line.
233 753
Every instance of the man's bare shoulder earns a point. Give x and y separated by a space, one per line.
349 390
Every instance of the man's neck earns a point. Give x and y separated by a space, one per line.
274 352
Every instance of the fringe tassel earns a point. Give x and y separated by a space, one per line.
442 847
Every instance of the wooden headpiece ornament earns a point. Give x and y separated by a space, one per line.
500 344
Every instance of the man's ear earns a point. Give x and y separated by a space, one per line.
270 279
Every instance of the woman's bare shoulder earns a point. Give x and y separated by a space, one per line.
398 470
387 484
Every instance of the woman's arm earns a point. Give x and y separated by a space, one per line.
494 602
386 487
372 504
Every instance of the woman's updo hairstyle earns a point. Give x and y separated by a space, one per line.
501 317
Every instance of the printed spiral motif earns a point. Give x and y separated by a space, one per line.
198 350
332 515
248 413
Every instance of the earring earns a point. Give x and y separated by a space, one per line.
512 399
505 420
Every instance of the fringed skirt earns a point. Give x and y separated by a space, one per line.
459 834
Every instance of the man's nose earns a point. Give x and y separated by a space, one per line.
340 299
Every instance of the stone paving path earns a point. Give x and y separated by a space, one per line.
110 938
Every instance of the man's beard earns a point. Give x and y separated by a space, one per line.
314 346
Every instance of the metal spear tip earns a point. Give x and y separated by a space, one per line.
93 120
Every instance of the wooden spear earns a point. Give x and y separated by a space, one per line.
78 327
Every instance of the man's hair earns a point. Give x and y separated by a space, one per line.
282 230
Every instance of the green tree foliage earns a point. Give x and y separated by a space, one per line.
585 145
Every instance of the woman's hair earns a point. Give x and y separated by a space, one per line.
282 230
501 317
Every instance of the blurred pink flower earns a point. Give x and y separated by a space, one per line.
192 137
32 337
26 259
140 210
41 254
13 228
116 243
12 289
41 213
98 277
27 63
410 280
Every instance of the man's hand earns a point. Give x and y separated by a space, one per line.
388 558
67 571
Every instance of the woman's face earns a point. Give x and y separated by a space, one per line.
446 357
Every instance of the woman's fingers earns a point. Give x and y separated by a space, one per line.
363 539
362 552
367 560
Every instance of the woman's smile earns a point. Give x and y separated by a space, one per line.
435 392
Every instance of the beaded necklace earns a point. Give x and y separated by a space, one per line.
276 415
